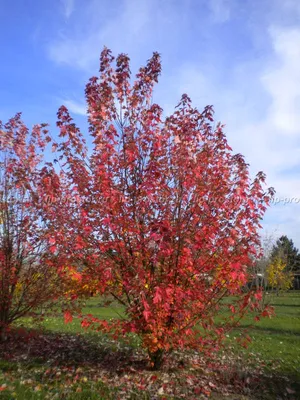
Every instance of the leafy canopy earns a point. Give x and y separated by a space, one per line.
158 209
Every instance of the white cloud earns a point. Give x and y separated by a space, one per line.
269 138
75 107
68 7
136 27
273 142
120 31
282 82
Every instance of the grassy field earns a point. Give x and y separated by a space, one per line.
273 358
277 340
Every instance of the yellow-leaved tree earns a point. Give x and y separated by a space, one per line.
278 277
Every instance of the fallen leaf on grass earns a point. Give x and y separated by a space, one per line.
290 391
161 391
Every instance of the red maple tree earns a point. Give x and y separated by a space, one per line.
159 210
27 277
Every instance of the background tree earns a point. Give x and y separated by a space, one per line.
278 277
259 269
159 210
27 276
284 248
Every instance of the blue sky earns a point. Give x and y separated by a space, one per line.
242 56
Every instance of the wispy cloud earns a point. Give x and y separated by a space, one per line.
137 27
75 107
122 30
261 108
282 81
68 7
220 10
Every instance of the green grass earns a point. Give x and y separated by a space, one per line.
29 384
275 341
93 306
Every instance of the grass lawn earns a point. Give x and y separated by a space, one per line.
277 340
65 362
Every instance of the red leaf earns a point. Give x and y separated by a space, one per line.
53 249
68 317
147 315
52 241
158 296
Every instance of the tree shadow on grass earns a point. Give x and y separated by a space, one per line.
285 305
274 386
123 363
265 386
269 330
70 349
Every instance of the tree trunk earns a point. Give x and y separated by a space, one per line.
3 335
156 359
